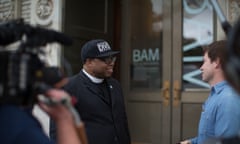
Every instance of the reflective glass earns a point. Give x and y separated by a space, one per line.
197 32
146 44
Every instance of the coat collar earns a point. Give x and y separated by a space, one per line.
93 87
92 78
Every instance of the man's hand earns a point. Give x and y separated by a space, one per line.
57 111
66 128
185 142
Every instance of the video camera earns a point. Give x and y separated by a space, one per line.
23 73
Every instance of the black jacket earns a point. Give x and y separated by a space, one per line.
105 123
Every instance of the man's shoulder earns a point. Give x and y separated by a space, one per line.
11 110
229 96
229 91
76 83
12 113
76 78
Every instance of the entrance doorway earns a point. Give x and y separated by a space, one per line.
162 46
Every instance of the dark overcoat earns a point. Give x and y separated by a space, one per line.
105 123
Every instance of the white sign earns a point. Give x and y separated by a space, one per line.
145 55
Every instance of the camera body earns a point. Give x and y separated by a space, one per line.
20 73
23 73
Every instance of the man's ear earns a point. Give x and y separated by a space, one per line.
88 61
218 63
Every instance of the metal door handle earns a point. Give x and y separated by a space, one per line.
166 93
176 93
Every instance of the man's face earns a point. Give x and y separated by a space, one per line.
207 69
102 67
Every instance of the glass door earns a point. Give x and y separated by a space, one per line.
146 69
193 28
161 55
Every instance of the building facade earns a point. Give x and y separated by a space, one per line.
160 43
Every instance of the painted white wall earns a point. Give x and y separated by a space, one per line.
53 51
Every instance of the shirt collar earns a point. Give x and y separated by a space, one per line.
217 88
92 78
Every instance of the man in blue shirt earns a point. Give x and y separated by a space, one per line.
220 115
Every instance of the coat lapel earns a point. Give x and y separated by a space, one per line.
111 92
93 88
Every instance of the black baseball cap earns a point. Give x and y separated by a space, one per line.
96 49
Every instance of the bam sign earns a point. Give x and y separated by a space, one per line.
146 55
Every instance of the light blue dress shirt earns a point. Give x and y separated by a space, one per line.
220 115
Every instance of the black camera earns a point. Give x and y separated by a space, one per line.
23 73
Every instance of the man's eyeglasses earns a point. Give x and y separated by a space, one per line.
108 60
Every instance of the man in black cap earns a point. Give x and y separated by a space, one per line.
99 97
